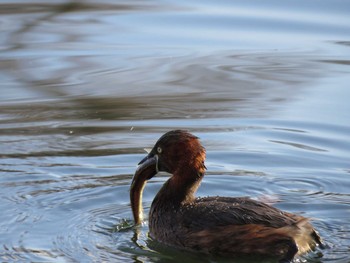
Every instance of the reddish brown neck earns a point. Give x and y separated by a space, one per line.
180 187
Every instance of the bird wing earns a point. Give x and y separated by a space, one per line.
225 211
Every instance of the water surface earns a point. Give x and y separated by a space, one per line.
86 86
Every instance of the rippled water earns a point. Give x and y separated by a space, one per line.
86 86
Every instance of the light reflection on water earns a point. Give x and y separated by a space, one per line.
85 87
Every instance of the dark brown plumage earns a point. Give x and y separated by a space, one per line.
222 226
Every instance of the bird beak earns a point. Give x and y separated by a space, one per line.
149 160
147 150
146 170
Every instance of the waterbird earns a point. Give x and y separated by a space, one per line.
218 226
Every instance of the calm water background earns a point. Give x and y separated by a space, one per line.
86 85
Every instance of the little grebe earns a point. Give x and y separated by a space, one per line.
223 226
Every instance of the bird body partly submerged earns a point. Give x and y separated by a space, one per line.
222 226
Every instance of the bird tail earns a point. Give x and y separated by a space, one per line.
305 236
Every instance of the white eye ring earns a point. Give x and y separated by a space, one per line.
159 149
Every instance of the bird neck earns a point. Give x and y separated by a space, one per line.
180 187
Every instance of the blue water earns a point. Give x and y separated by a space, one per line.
86 86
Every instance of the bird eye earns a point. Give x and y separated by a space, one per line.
159 150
